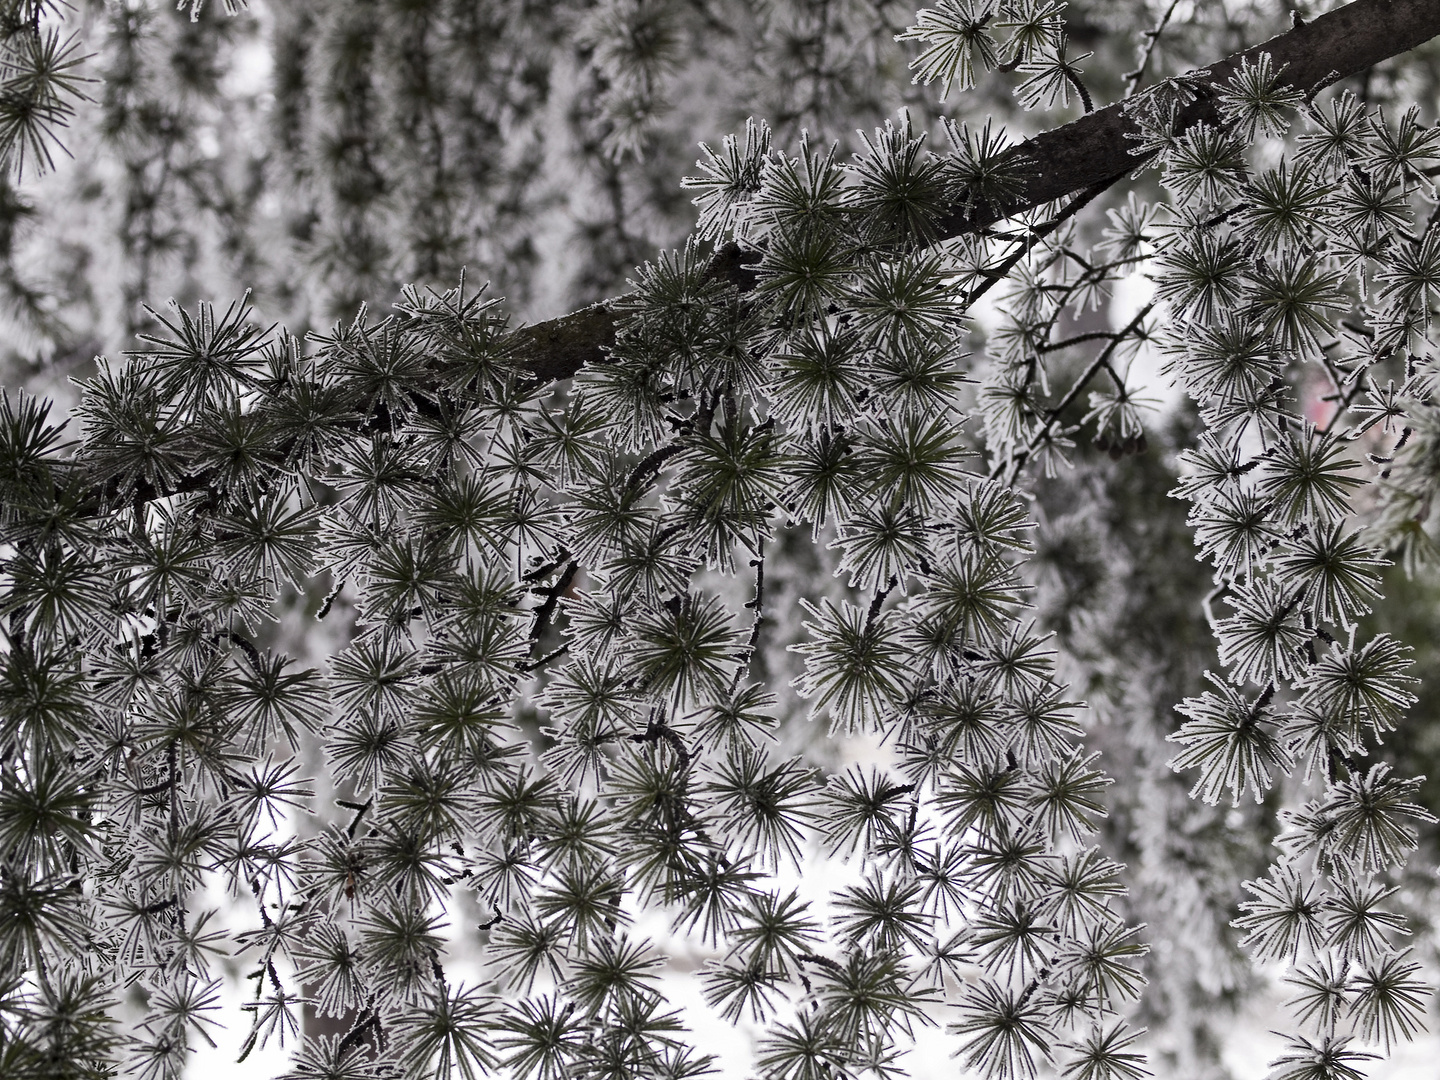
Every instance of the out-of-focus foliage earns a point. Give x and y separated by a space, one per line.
909 488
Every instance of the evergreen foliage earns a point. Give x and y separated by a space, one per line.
584 621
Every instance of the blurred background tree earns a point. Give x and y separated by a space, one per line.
326 153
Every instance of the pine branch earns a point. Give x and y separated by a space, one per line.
1094 149
1084 157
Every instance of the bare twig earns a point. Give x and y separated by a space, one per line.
1152 37
1099 364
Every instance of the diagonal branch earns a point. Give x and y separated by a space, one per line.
1016 463
1083 157
1090 151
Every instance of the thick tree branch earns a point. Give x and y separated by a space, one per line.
1084 156
560 347
1094 149
1314 55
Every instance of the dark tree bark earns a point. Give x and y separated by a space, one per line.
1083 154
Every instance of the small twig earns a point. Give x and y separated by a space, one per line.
820 961
1263 701
1152 37
1074 77
156 789
1035 984
546 569
1405 434
893 791
172 764
1217 593
1026 243
546 611
360 810
330 599
651 464
532 666
251 652
875 605
658 730
364 1022
1079 339
1100 363
757 606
